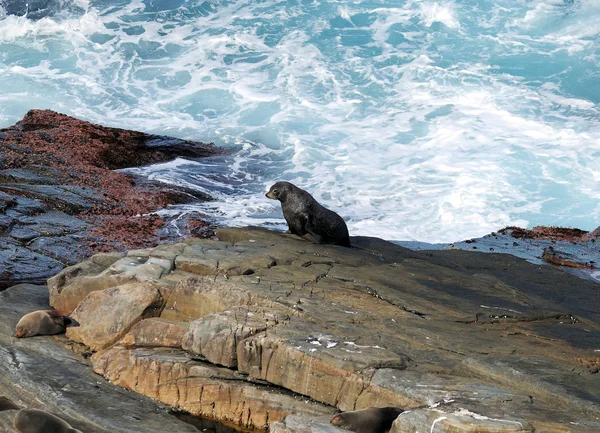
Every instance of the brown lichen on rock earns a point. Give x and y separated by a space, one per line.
69 165
543 232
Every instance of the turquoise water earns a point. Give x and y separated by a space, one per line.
415 120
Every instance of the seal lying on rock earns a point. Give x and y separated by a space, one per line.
371 420
42 322
305 215
40 421
7 404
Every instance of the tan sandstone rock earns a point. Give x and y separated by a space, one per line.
481 339
201 388
105 315
155 332
216 335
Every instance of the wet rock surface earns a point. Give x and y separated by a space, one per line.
573 250
61 198
267 329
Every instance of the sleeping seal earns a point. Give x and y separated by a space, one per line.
42 322
305 215
40 421
371 420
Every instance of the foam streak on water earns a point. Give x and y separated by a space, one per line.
414 119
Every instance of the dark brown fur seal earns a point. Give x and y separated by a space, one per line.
7 404
305 215
42 322
371 420
40 421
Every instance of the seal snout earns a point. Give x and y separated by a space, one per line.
19 332
336 420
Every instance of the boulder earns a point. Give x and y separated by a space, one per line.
200 388
105 316
155 332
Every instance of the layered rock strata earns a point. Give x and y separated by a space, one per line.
264 329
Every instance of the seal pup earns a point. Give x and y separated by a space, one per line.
42 322
40 421
305 215
371 420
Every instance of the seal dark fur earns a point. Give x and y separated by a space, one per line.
371 420
305 215
40 421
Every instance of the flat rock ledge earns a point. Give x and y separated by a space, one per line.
267 330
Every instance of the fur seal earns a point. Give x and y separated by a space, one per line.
42 322
40 421
305 215
7 404
371 420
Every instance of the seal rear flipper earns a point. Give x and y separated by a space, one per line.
62 319
318 238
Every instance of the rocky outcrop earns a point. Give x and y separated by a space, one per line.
61 198
266 329
573 250
47 372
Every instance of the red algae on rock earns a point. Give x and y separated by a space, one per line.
548 233
68 164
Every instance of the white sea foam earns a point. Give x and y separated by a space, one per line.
432 121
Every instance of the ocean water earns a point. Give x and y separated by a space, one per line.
417 120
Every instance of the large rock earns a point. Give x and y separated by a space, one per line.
155 332
68 288
465 341
41 372
105 316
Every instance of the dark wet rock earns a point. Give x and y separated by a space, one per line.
61 198
575 251
68 249
21 265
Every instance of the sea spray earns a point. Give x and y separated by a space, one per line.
415 120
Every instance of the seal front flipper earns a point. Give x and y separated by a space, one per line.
311 231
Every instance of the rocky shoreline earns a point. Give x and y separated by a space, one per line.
263 330
62 200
